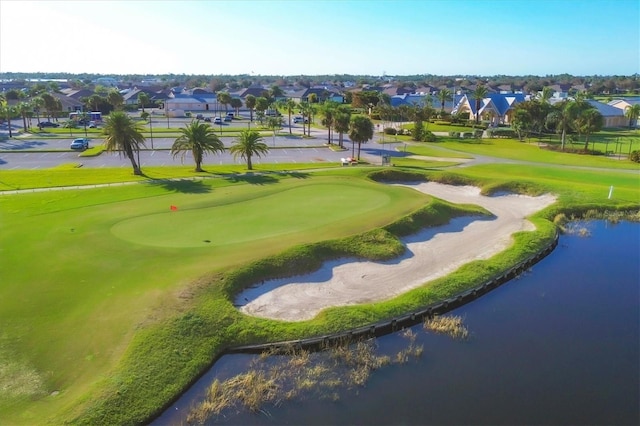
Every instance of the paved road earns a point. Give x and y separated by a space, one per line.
283 149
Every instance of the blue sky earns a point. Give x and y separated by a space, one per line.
401 37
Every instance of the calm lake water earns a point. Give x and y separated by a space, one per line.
559 345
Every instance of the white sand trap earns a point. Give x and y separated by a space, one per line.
432 253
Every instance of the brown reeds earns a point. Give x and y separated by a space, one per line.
450 325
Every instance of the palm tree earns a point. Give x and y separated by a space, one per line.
289 105
248 144
7 111
443 96
342 120
632 112
547 93
479 94
94 102
306 111
37 104
225 99
250 102
199 138
236 104
328 109
563 119
143 99
587 122
115 99
262 104
24 108
360 131
124 135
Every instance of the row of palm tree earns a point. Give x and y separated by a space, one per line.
124 135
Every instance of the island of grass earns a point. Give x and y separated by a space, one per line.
120 297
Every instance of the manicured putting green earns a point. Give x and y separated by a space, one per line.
279 213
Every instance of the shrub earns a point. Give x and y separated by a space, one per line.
390 131
635 156
454 134
428 136
478 133
467 135
501 133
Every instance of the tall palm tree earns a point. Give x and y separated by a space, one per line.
249 144
289 105
37 104
199 138
143 99
587 122
115 99
236 104
250 102
328 110
360 131
124 135
306 111
262 104
225 99
547 93
632 112
24 108
479 94
562 117
7 111
443 96
342 120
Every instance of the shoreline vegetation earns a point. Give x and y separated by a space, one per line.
165 356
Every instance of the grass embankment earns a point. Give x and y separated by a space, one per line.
108 300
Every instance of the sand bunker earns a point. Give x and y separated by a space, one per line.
431 253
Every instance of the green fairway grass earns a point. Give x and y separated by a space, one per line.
83 268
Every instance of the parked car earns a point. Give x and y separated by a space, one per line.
80 143
300 119
207 119
217 120
48 124
93 125
227 118
230 114
199 117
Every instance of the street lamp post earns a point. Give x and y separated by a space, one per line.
151 130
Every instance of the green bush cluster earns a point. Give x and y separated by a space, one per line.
502 133
635 156
390 131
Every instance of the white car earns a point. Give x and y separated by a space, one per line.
80 143
217 120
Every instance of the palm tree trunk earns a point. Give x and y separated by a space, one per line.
359 146
249 165
563 139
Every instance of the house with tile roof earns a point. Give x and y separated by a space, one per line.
496 108
625 103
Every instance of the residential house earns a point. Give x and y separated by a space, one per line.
496 108
625 103
613 116
323 94
198 100
420 99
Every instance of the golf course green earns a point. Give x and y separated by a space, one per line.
222 222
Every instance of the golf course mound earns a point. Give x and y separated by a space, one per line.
276 214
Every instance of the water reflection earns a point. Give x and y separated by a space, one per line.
559 345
